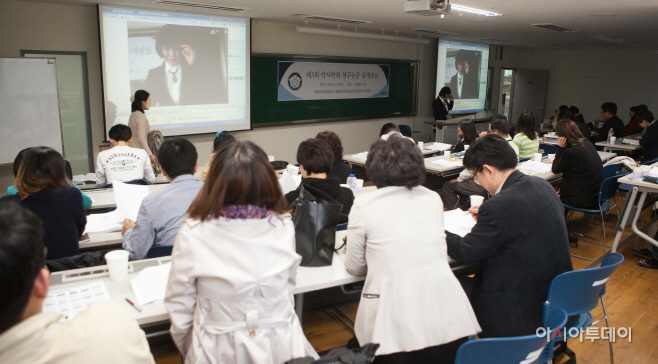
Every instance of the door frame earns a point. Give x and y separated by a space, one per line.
85 80
511 94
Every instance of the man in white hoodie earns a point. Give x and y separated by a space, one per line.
467 182
122 163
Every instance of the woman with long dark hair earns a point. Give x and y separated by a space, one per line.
234 267
467 135
526 137
42 187
139 124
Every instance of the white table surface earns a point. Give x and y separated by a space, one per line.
159 179
362 162
643 189
104 198
432 167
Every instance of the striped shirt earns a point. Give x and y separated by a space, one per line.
526 146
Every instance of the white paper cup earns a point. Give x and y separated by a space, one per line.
613 140
476 200
421 145
359 185
270 158
446 155
466 147
538 157
292 169
117 263
645 170
637 173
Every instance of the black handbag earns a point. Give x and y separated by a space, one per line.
315 217
342 355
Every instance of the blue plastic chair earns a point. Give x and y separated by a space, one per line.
405 130
548 148
578 292
608 191
611 170
528 349
159 251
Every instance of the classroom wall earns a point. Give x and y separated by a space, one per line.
57 27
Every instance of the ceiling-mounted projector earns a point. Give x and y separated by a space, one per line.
427 7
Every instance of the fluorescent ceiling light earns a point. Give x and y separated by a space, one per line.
466 9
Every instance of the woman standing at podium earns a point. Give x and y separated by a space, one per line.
139 124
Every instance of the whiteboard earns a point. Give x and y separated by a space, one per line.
29 106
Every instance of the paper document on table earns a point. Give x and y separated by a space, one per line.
533 166
103 223
129 198
83 178
362 155
151 284
458 222
288 182
438 146
448 163
69 302
630 141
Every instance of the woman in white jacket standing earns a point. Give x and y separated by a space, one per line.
412 304
234 267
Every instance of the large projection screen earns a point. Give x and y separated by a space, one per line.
463 67
196 68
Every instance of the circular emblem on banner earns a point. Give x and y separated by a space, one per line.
295 81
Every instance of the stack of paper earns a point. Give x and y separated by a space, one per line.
69 302
533 166
438 147
288 182
362 155
129 198
84 178
458 222
630 141
551 136
104 223
447 163
151 284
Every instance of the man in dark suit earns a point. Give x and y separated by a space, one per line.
612 121
181 79
441 105
650 139
520 240
464 84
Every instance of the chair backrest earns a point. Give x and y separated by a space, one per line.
159 251
609 187
578 291
548 148
405 130
611 170
341 227
519 349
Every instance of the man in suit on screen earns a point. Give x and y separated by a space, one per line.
464 84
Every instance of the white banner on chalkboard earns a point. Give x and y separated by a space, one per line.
331 81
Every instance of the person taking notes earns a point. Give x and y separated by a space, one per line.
122 163
520 240
105 333
162 212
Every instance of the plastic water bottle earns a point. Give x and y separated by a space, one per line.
610 133
351 182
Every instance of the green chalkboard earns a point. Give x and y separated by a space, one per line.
267 111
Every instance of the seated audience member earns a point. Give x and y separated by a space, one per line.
11 190
577 118
387 128
633 126
43 189
576 112
400 301
526 138
466 182
234 267
315 159
612 121
650 138
467 135
162 212
580 165
509 291
220 138
340 169
122 163
104 333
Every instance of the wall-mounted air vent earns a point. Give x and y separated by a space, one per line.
550 26
329 18
432 31
234 9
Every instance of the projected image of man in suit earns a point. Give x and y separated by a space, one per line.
188 74
465 83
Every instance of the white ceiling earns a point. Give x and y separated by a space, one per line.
634 21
